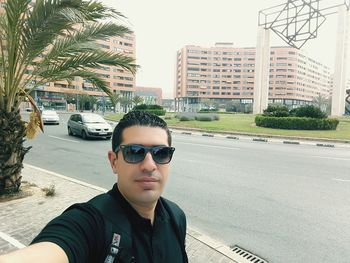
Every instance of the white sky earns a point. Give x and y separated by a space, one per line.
164 26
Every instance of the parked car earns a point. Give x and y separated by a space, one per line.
89 125
41 108
50 117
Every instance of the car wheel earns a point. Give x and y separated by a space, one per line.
83 135
70 131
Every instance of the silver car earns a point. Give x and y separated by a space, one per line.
50 117
89 125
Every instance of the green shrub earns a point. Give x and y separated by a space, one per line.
296 123
155 109
208 110
203 117
309 111
140 107
186 118
276 110
216 117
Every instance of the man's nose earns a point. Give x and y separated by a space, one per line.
148 164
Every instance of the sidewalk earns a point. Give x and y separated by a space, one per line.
22 219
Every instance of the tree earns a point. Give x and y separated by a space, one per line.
125 102
115 100
321 101
52 40
93 101
137 100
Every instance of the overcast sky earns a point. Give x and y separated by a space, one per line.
164 26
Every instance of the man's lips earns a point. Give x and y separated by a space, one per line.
146 180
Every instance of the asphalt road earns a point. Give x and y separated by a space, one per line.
285 203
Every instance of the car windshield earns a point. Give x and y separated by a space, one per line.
93 119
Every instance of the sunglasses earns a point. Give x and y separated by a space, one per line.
134 153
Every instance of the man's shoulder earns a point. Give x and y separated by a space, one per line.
173 207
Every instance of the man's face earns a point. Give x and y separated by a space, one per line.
141 183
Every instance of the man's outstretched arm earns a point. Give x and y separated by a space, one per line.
38 253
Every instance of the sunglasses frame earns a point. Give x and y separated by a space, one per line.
147 150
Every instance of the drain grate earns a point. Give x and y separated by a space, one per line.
246 256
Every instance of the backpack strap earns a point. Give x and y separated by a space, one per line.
178 220
118 229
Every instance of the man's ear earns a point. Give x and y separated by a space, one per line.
112 157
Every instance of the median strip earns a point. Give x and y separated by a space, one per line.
325 145
290 142
259 140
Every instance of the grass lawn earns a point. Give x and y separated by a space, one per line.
245 123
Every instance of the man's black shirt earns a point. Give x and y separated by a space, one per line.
80 232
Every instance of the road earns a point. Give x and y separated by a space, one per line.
285 203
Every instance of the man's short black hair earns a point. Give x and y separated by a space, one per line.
138 118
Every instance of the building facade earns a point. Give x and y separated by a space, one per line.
59 94
150 95
225 73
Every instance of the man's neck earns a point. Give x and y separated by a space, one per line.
145 211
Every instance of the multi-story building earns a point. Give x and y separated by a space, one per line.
225 73
119 80
150 95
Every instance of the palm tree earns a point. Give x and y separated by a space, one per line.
137 100
115 100
125 102
54 40
321 102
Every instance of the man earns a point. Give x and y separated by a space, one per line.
132 222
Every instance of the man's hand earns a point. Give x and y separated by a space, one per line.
40 252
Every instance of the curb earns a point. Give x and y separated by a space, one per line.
261 138
228 133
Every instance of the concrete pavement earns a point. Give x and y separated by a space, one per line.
22 219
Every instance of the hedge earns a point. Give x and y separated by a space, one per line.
197 116
296 123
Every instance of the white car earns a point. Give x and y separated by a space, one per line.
50 117
89 125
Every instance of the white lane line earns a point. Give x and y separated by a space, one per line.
11 240
211 146
341 180
332 158
58 138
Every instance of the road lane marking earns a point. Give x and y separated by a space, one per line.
212 146
332 158
11 240
341 180
58 138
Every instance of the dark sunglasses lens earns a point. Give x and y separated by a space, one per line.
134 153
162 155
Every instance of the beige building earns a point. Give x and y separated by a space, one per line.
150 95
225 73
57 94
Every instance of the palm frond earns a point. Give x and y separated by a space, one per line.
95 11
82 40
83 61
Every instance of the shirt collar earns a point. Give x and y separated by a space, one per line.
132 214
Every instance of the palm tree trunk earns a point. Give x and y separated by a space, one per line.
12 134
